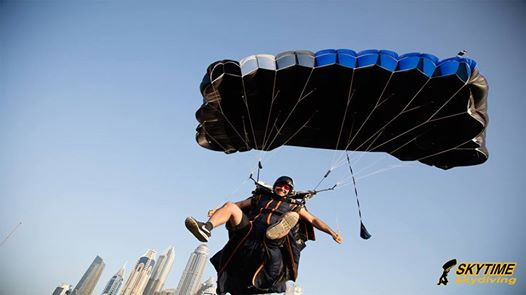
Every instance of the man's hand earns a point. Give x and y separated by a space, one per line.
337 238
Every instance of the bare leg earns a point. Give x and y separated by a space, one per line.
229 212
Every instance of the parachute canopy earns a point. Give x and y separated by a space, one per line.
412 106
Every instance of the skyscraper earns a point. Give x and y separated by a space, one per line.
115 283
191 278
140 274
62 289
160 272
294 289
208 288
90 278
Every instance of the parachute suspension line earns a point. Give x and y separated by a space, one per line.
447 117
383 101
443 151
358 160
344 183
385 169
390 152
299 129
349 97
267 131
287 118
350 94
368 147
301 98
449 99
244 128
413 162
423 123
388 123
245 100
368 116
262 155
369 166
371 112
406 164
264 147
336 165
342 161
213 138
10 234
404 144
364 234
274 96
410 110
235 190
220 109
380 131
292 136
347 182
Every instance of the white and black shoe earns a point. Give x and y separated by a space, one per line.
202 231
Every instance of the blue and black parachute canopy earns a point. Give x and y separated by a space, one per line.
412 106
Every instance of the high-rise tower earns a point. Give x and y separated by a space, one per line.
191 278
294 289
90 278
115 283
140 274
208 288
62 289
160 272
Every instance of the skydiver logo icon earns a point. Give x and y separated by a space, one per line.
447 267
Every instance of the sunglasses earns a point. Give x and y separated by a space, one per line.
284 186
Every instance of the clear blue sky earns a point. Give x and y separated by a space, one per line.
98 156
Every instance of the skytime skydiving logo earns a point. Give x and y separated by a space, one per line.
447 267
472 273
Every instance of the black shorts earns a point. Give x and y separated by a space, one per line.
241 227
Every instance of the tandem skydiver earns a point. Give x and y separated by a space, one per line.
266 231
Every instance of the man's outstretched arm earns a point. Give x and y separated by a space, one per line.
319 224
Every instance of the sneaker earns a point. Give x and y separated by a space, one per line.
283 226
199 229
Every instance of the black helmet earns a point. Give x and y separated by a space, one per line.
284 179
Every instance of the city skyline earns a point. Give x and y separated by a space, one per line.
143 272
